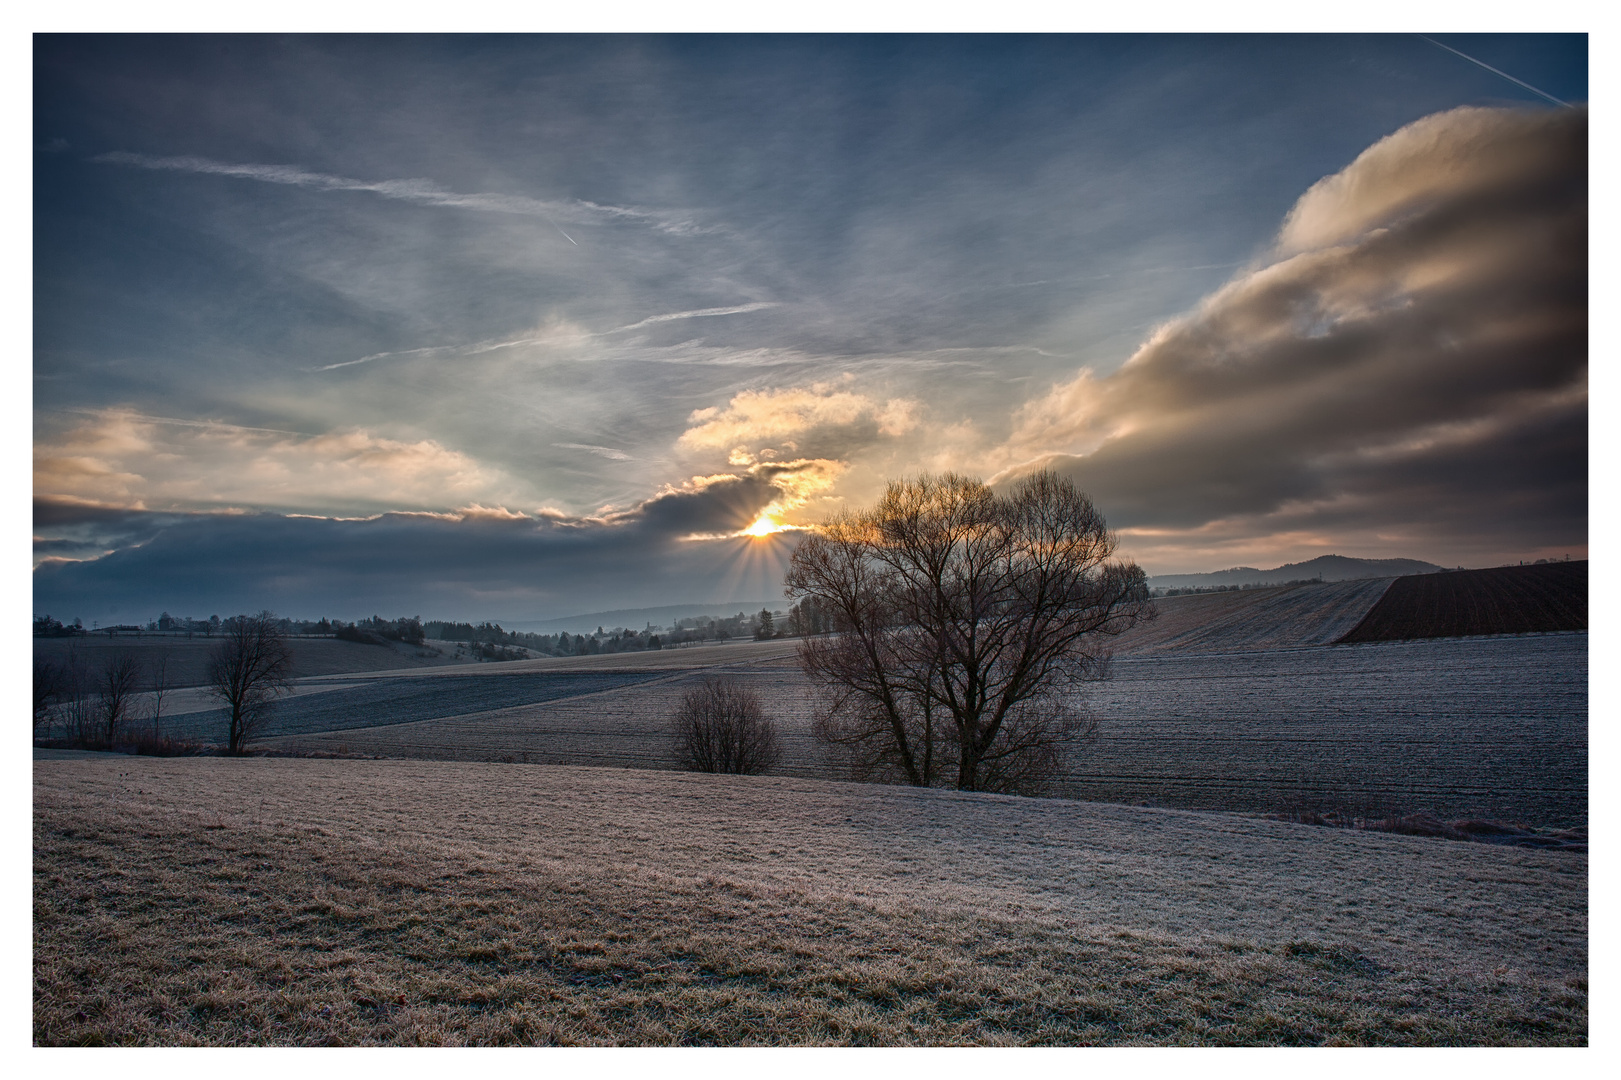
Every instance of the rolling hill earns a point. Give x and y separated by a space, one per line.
1322 568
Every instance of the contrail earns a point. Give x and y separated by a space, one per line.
419 192
1494 71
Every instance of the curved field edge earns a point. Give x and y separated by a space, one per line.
183 901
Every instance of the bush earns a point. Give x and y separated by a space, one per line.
721 727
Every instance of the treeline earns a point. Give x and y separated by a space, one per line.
491 641
1191 590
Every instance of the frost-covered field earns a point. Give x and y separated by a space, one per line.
411 698
1458 727
210 900
1490 726
1299 615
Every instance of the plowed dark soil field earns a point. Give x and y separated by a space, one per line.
1460 603
404 700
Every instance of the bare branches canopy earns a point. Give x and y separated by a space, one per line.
247 671
721 727
964 620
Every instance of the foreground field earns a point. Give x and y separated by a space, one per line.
295 901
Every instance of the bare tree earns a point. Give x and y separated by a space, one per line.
161 684
721 727
52 684
116 688
247 671
965 622
77 709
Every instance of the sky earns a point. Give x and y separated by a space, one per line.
518 327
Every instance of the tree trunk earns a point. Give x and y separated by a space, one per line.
967 767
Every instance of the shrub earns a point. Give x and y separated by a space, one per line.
721 727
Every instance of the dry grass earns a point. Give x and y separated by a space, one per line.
183 901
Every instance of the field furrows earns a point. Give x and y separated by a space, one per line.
1316 614
1492 727
409 699
1501 600
188 657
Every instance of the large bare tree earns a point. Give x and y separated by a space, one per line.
965 622
247 671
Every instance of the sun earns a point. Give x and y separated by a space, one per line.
764 525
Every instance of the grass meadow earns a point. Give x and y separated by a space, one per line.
297 901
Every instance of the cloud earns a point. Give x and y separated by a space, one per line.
701 313
754 417
600 451
724 504
556 334
416 191
1409 362
477 562
121 457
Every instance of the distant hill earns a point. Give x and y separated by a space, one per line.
636 618
1325 567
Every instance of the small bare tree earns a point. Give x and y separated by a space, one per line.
965 622
247 671
721 727
160 686
116 689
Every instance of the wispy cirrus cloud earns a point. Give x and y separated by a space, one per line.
418 191
547 336
701 313
468 349
600 451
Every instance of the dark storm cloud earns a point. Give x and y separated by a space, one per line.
68 529
1415 348
478 563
